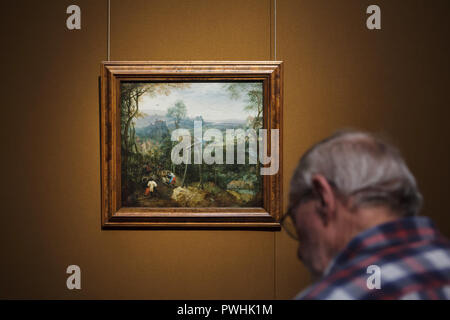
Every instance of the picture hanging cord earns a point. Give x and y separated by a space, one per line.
275 58
109 30
274 27
275 234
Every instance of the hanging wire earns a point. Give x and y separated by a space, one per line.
275 58
275 234
109 31
275 29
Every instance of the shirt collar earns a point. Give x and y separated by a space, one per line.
399 231
387 234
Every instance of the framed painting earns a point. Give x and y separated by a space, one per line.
191 144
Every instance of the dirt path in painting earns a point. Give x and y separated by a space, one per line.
156 202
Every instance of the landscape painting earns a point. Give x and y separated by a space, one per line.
152 116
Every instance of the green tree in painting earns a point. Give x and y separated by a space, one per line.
131 94
253 95
177 113
252 92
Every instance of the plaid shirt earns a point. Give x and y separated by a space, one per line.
413 260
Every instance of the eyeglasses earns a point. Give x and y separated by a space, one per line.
288 222
288 219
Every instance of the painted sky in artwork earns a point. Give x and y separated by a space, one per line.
209 100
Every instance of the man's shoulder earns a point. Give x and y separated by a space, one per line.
392 272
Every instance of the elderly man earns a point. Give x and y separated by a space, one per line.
354 206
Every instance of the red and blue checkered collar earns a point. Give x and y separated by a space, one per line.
400 231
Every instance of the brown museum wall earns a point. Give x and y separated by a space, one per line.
337 74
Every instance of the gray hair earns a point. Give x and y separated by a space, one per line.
360 167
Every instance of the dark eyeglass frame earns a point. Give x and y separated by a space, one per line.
309 195
290 213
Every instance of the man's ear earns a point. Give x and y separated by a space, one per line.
327 197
